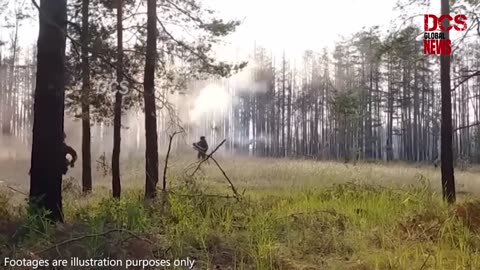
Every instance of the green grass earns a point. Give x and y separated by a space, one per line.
294 215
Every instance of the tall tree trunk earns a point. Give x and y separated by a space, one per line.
2 90
289 116
47 149
448 179
117 122
151 151
282 110
86 136
10 104
390 112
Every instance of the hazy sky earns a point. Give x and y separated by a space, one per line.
297 25
294 26
302 24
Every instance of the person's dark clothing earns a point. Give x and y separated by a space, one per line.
202 147
68 150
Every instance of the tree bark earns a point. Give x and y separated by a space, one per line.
151 151
117 122
86 134
47 149
448 180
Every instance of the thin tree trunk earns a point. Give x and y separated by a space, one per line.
289 117
282 110
9 98
151 151
86 136
448 179
390 112
117 122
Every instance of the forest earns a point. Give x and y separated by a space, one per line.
360 155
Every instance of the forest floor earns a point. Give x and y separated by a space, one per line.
292 214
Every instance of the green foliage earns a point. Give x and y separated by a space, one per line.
346 104
180 59
4 209
220 28
126 213
36 227
102 53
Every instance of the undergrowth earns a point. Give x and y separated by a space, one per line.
344 226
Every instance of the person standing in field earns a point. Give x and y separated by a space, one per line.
201 147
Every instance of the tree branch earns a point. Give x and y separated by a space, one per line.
56 246
235 192
466 79
166 160
467 126
188 14
183 45
208 157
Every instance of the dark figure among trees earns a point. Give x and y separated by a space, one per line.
201 147
68 150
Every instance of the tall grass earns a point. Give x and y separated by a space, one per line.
290 220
